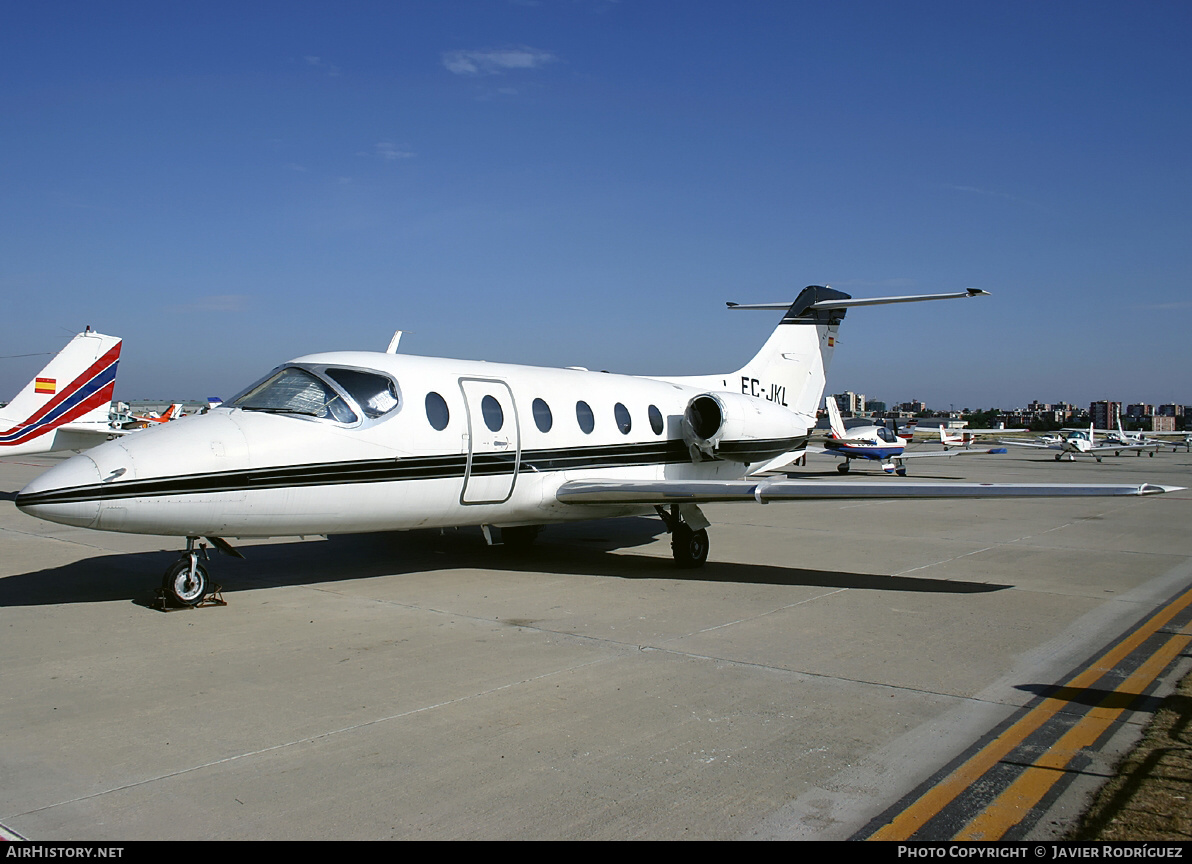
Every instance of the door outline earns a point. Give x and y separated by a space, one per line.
498 488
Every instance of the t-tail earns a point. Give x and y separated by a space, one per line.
65 406
791 369
775 395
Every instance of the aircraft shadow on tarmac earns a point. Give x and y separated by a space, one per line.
1095 697
583 549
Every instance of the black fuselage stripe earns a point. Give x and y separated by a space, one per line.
438 467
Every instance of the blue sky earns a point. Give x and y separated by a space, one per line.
585 182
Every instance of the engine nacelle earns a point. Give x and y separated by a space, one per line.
741 428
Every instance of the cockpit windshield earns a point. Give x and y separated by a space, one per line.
296 391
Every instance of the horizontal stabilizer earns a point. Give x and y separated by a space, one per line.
850 302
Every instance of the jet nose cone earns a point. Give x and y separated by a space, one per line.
64 493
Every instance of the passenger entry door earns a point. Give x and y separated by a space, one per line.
494 441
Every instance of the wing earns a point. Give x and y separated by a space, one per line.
960 452
706 491
1034 444
97 434
1115 448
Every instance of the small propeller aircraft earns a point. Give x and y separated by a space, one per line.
1079 442
361 441
1155 439
144 421
65 406
880 444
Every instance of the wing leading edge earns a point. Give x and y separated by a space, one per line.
763 491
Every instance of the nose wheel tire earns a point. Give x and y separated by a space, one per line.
843 467
689 548
183 588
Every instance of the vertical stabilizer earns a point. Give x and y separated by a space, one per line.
791 369
835 422
792 366
73 390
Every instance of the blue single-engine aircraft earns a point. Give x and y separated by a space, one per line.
879 444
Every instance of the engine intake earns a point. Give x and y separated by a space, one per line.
741 428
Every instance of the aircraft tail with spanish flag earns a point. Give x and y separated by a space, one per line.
65 406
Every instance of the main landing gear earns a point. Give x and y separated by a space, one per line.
515 539
689 534
186 583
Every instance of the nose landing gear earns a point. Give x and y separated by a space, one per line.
186 583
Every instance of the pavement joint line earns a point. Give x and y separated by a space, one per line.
999 545
589 637
308 739
37 536
759 615
661 647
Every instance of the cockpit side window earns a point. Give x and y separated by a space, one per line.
375 394
296 391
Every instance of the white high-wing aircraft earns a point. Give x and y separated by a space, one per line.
1080 442
1154 440
65 406
368 441
879 444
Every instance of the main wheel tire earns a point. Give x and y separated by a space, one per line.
180 587
689 548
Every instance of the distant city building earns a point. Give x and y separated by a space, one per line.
1105 415
849 402
914 407
1139 410
1172 410
1162 423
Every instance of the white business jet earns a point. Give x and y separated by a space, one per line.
879 444
65 406
375 441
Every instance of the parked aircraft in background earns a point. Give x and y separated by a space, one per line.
357 441
1174 440
144 421
1081 442
880 444
65 406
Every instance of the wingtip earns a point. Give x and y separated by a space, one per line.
1157 489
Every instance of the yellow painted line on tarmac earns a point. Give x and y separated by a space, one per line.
906 823
1012 805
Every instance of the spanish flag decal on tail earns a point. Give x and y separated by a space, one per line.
45 385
